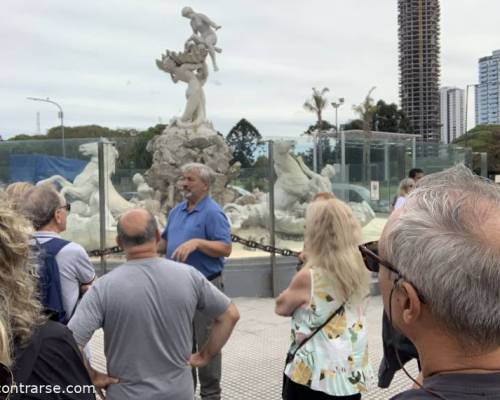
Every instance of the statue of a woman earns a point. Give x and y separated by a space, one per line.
195 75
203 32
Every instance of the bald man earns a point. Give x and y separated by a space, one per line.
146 308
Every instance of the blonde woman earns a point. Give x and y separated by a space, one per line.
15 193
405 187
333 362
44 352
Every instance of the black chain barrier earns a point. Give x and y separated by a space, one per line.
235 238
105 252
264 247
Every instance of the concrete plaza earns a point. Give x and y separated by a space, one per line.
254 356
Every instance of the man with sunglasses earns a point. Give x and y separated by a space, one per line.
48 212
439 274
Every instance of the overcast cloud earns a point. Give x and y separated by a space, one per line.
96 58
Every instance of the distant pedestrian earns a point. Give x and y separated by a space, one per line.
416 174
405 187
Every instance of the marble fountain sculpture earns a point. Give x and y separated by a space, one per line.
295 186
191 137
83 223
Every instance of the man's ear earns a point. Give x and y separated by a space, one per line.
157 236
411 305
57 216
119 242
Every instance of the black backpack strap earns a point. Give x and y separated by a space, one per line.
290 356
54 245
48 251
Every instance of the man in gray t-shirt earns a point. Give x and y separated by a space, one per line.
146 309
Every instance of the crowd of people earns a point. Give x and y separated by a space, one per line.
165 317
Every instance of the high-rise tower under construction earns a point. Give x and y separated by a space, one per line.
419 66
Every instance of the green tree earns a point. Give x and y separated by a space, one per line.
356 124
243 140
484 138
319 126
390 118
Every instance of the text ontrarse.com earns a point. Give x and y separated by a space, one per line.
21 388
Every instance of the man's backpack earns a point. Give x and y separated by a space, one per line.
49 278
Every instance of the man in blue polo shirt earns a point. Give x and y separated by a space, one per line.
198 234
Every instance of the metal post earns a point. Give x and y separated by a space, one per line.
102 202
337 119
413 153
386 161
343 167
315 152
342 157
274 274
336 105
60 115
484 164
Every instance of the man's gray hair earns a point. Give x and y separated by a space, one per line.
206 173
446 242
40 204
138 238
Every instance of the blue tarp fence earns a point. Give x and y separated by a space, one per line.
35 167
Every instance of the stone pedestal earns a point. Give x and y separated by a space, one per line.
178 146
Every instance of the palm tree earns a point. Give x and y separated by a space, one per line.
316 104
366 111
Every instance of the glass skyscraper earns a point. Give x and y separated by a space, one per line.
488 90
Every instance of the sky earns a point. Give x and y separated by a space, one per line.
97 59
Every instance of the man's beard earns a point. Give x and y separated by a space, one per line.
187 193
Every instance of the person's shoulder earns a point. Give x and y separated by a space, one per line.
160 264
213 208
178 267
177 207
301 280
74 249
210 203
52 330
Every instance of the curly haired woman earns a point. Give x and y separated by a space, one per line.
43 351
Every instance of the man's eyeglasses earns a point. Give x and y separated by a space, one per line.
67 207
372 260
369 251
6 381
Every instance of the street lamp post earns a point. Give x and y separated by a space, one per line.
60 115
336 105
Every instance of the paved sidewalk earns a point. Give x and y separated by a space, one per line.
254 356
